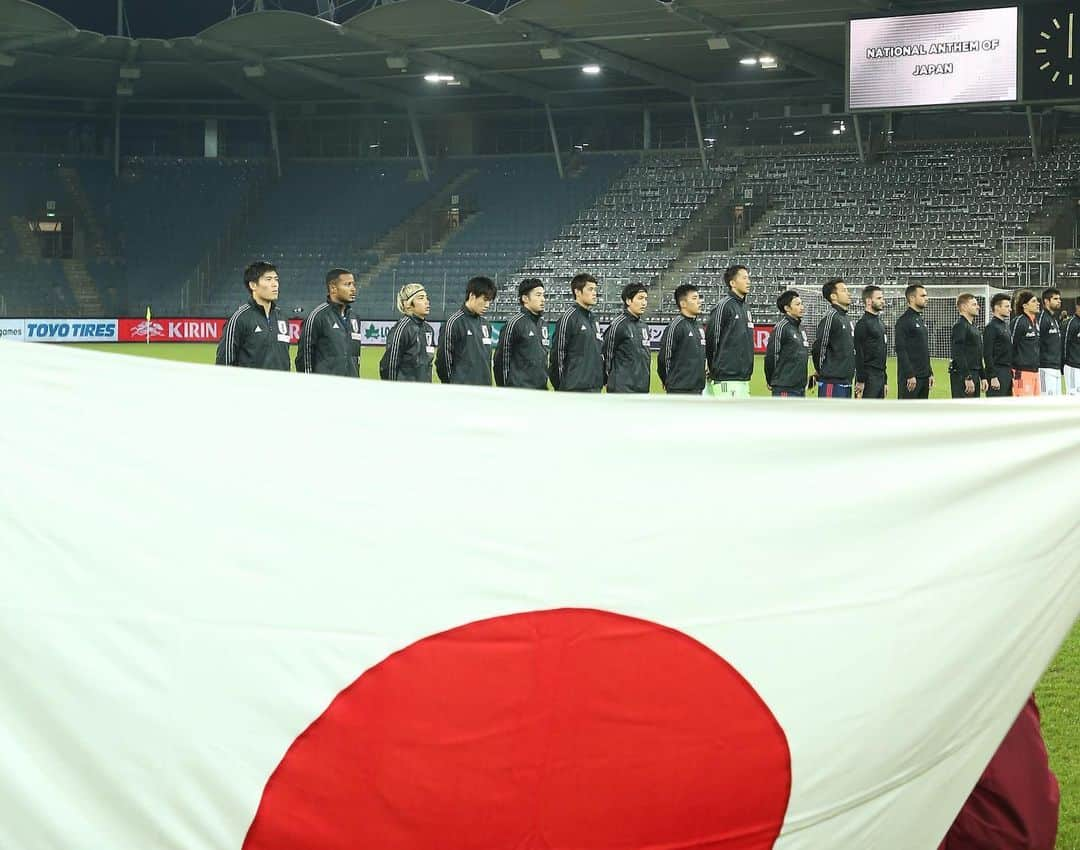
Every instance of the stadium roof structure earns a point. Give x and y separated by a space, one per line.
400 56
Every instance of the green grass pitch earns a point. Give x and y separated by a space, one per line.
369 364
1058 692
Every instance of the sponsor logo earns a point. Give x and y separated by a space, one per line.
71 330
12 330
171 330
189 329
761 337
376 332
148 329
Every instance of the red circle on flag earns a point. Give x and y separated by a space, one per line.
564 730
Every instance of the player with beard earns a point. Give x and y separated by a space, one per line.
330 336
871 346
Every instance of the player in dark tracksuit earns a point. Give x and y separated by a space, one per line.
1050 348
410 345
729 340
627 357
997 348
871 346
681 361
788 349
914 375
1024 335
521 355
833 350
965 367
464 353
1070 335
257 335
576 359
330 336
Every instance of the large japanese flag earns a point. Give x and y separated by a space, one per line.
250 611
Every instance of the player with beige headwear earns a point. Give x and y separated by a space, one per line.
410 345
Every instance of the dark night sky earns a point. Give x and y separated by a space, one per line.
174 18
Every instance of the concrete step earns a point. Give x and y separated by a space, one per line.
82 286
28 245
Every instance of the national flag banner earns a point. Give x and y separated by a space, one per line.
812 635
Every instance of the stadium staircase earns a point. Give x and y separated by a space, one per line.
511 209
214 262
87 297
693 238
26 243
760 226
687 263
428 218
645 222
96 243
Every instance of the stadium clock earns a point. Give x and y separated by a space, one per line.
1052 51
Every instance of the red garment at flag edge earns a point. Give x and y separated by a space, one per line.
559 729
1015 804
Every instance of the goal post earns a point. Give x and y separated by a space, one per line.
940 311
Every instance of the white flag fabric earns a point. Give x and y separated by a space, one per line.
261 610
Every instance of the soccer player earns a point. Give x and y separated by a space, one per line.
257 335
410 345
1050 348
1070 336
788 349
521 354
330 336
965 369
997 348
627 358
729 340
834 346
1025 344
576 361
464 353
681 363
914 377
871 346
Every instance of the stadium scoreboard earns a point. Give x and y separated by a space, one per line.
942 59
965 58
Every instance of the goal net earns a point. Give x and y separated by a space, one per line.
940 311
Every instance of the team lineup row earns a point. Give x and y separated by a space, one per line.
1023 354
